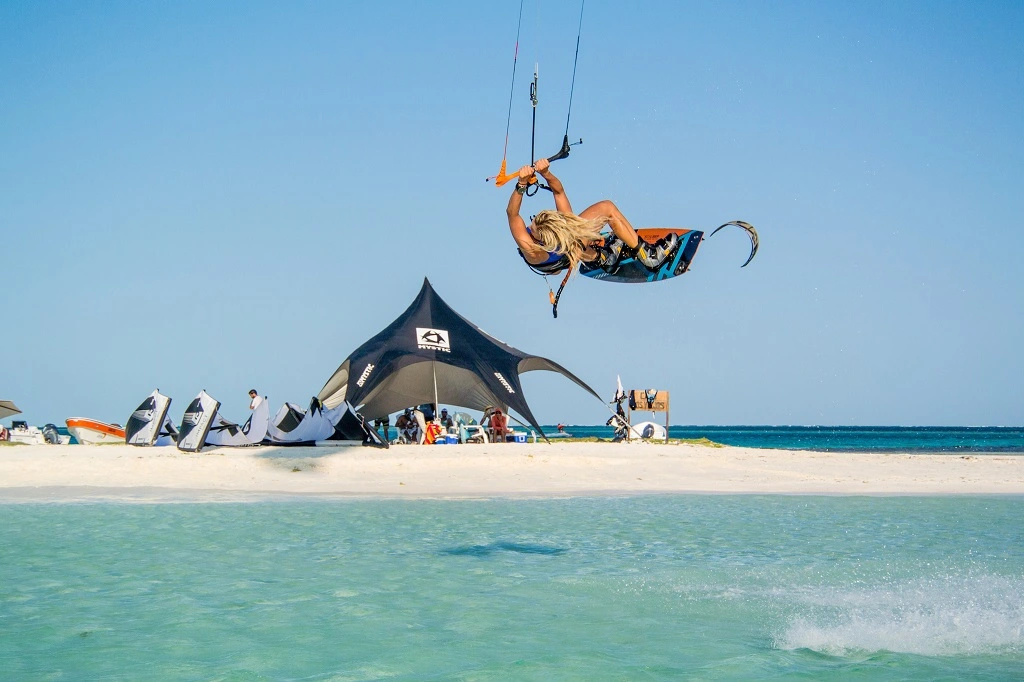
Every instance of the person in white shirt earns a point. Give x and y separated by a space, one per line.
421 425
255 399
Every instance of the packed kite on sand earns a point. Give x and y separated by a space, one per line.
429 355
122 472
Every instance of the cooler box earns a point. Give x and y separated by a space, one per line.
518 438
451 440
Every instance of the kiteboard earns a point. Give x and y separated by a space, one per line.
631 271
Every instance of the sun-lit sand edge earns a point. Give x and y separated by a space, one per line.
121 472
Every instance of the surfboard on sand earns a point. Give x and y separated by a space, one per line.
631 271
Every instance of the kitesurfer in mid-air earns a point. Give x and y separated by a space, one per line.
559 239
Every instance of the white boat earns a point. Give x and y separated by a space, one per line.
648 431
21 432
93 431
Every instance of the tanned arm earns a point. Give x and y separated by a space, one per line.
561 200
516 224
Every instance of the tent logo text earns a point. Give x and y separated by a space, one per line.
365 375
504 383
433 339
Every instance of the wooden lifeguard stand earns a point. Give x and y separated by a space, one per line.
648 400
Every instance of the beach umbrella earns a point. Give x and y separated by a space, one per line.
7 408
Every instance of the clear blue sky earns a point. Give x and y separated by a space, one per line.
230 195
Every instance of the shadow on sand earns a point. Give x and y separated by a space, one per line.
299 458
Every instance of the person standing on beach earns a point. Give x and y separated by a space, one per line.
254 399
421 425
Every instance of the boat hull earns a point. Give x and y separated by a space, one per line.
648 431
22 433
90 431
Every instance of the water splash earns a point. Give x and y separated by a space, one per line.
945 616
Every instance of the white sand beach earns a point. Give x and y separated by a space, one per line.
81 472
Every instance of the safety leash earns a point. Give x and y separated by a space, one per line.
553 297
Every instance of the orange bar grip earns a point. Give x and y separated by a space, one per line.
502 177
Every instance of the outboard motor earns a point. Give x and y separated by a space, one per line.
51 435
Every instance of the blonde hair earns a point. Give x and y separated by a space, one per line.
567 234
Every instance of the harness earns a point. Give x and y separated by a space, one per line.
552 266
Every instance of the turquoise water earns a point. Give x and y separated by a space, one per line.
661 587
937 439
933 439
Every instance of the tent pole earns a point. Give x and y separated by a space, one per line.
433 369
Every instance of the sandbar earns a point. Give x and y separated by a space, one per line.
41 473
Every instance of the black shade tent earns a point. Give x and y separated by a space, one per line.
431 354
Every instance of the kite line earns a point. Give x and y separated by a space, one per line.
503 177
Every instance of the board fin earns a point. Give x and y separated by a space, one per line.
751 232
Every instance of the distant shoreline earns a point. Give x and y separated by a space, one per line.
55 473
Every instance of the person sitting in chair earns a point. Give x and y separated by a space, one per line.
406 426
446 420
497 426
